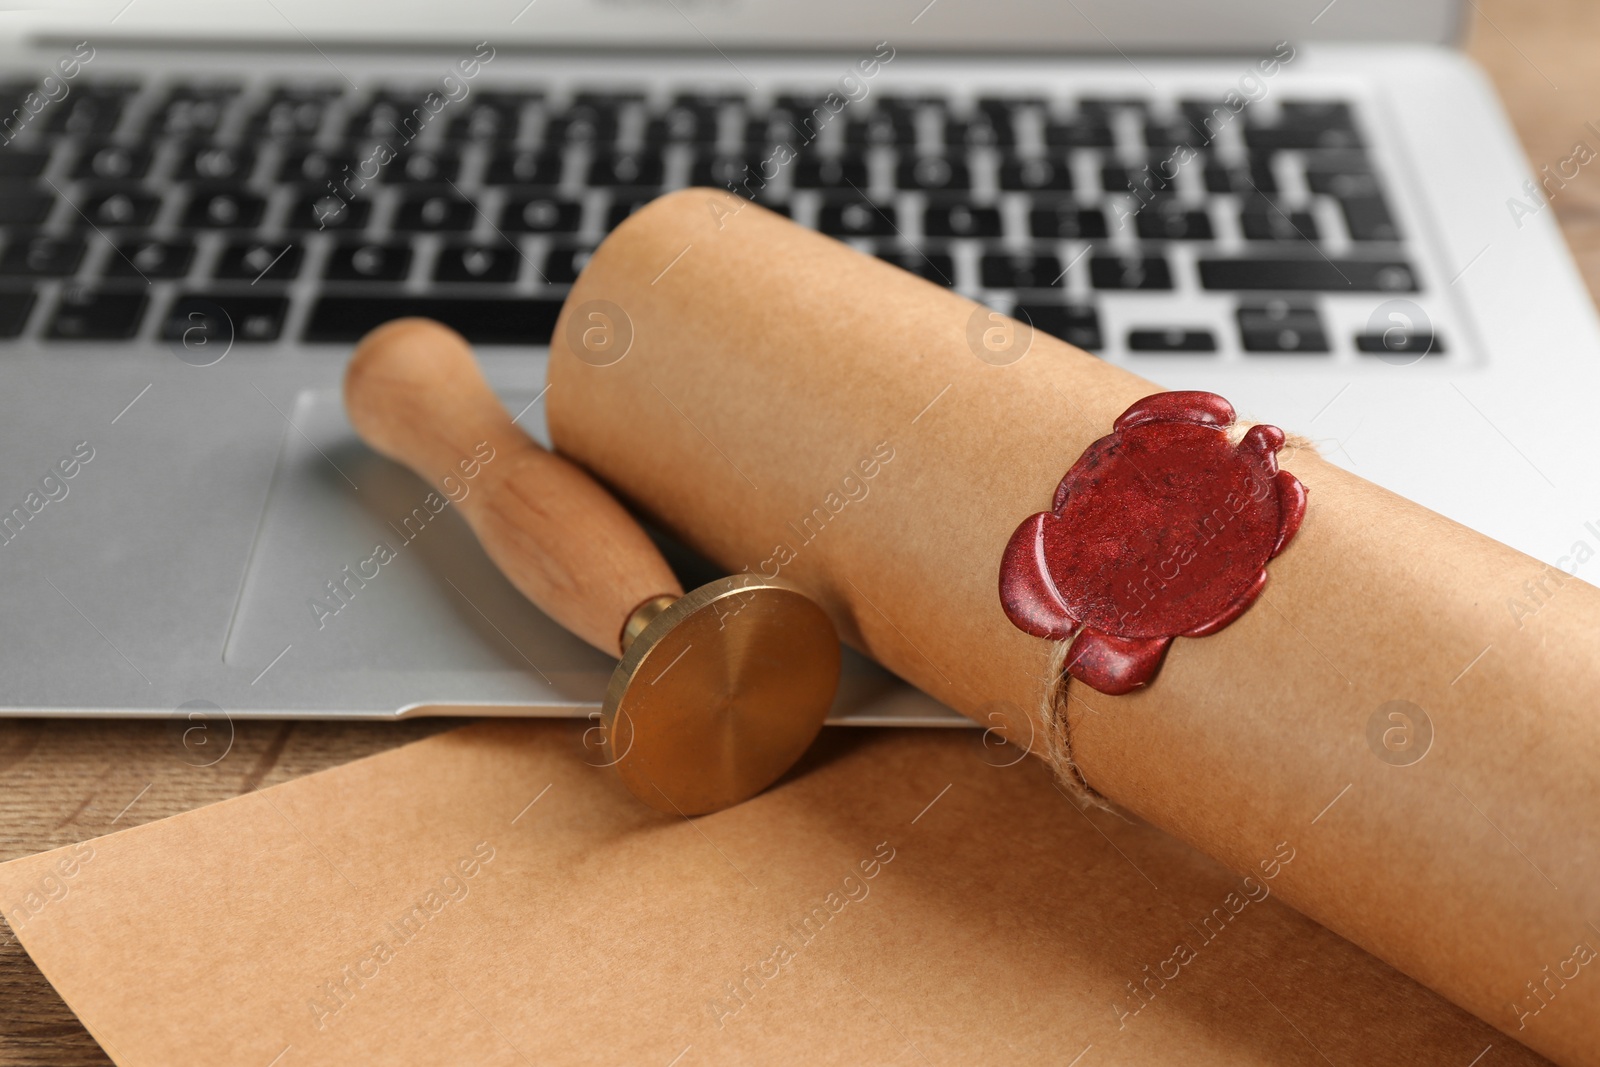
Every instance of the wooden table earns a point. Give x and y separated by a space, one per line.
1541 56
63 782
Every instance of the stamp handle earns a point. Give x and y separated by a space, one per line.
414 392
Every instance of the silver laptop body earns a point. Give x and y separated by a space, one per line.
1317 211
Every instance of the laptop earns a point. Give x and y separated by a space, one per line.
1315 209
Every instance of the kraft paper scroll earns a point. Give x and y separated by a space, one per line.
786 404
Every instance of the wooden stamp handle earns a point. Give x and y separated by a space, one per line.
414 392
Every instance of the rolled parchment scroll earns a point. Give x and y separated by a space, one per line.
790 406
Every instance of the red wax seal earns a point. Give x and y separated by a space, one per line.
1161 529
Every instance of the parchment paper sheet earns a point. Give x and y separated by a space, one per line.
903 899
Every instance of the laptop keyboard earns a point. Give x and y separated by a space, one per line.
270 213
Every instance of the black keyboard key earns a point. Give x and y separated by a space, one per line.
1103 107
96 315
799 104
639 170
1341 175
1020 270
489 117
295 114
830 172
982 131
936 267
326 211
802 133
541 214
881 128
1130 272
606 99
476 263
909 103
1035 174
22 162
1205 116
1400 342
191 112
151 259
1255 178
682 125
389 117
1145 181
313 166
1087 134
1075 324
745 175
1265 222
203 318
422 168
1303 138
582 125
118 209
1168 137
1329 275
961 220
857 218
1067 220
258 261
224 209
87 111
563 264
112 162
933 174
1171 339
764 130
1162 223
14 308
525 168
216 163
435 212
697 98
368 262
42 256
1279 326
511 321
1368 219
1008 105
24 208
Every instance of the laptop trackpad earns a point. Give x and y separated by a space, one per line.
362 566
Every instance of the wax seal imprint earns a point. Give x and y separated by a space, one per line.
1161 529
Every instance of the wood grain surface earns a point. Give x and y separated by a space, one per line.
66 781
